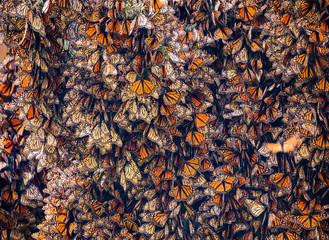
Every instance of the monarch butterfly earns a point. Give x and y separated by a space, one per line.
26 80
162 185
143 86
156 5
20 10
287 236
196 63
306 74
323 85
187 37
6 89
94 62
32 113
286 40
222 32
9 145
309 222
108 69
255 93
160 219
246 14
147 229
9 196
255 208
307 115
167 71
304 207
163 174
248 75
277 4
195 138
223 186
76 5
324 26
152 43
206 165
202 119
33 193
90 163
230 155
242 56
63 217
303 152
287 146
181 192
286 19
6 220
281 180
54 128
238 87
125 27
94 15
171 98
131 227
231 215
292 224
317 233
157 57
259 169
164 121
148 59
36 22
200 99
317 37
141 22
130 173
91 31
272 113
302 59
322 141
66 229
254 131
323 3
116 206
239 129
323 181
191 166
21 209
120 5
97 207
63 3
113 26
145 152
259 116
274 221
320 64
306 9
104 39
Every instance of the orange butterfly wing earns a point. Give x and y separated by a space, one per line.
182 192
224 185
195 138
246 13
141 87
191 167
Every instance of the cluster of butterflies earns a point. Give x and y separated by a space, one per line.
160 119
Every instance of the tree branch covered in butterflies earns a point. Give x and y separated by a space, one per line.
161 119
